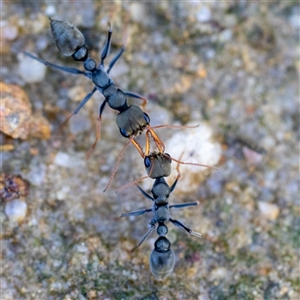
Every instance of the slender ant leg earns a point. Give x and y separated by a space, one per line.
145 236
136 212
188 230
98 129
137 96
115 59
183 205
61 68
144 193
106 48
78 108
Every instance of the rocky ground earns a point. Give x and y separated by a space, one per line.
230 68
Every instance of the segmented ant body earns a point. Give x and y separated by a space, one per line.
131 120
162 258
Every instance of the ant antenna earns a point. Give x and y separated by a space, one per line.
175 126
116 166
127 185
189 163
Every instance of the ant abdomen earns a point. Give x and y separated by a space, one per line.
162 259
69 40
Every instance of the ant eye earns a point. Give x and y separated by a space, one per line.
147 118
124 132
147 162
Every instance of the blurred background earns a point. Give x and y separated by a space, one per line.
231 68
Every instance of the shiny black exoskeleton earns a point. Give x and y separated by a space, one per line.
131 119
162 258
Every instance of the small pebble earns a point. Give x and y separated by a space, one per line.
65 160
50 10
16 210
137 11
252 157
31 70
204 14
218 273
269 210
10 32
197 147
16 118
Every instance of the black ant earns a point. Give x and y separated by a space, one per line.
131 119
162 258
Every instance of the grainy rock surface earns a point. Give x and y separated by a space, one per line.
232 67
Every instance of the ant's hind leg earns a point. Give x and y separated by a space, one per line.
53 66
188 230
81 104
137 96
136 212
144 193
98 130
145 236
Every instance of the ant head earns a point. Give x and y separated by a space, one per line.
162 258
158 164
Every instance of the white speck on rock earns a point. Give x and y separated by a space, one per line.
197 147
37 174
269 210
252 157
16 210
65 160
204 14
31 70
10 32
138 12
50 10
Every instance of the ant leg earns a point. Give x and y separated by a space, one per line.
116 166
106 48
144 193
178 175
183 205
145 236
115 59
61 68
190 231
136 212
81 104
138 147
137 96
159 143
98 130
